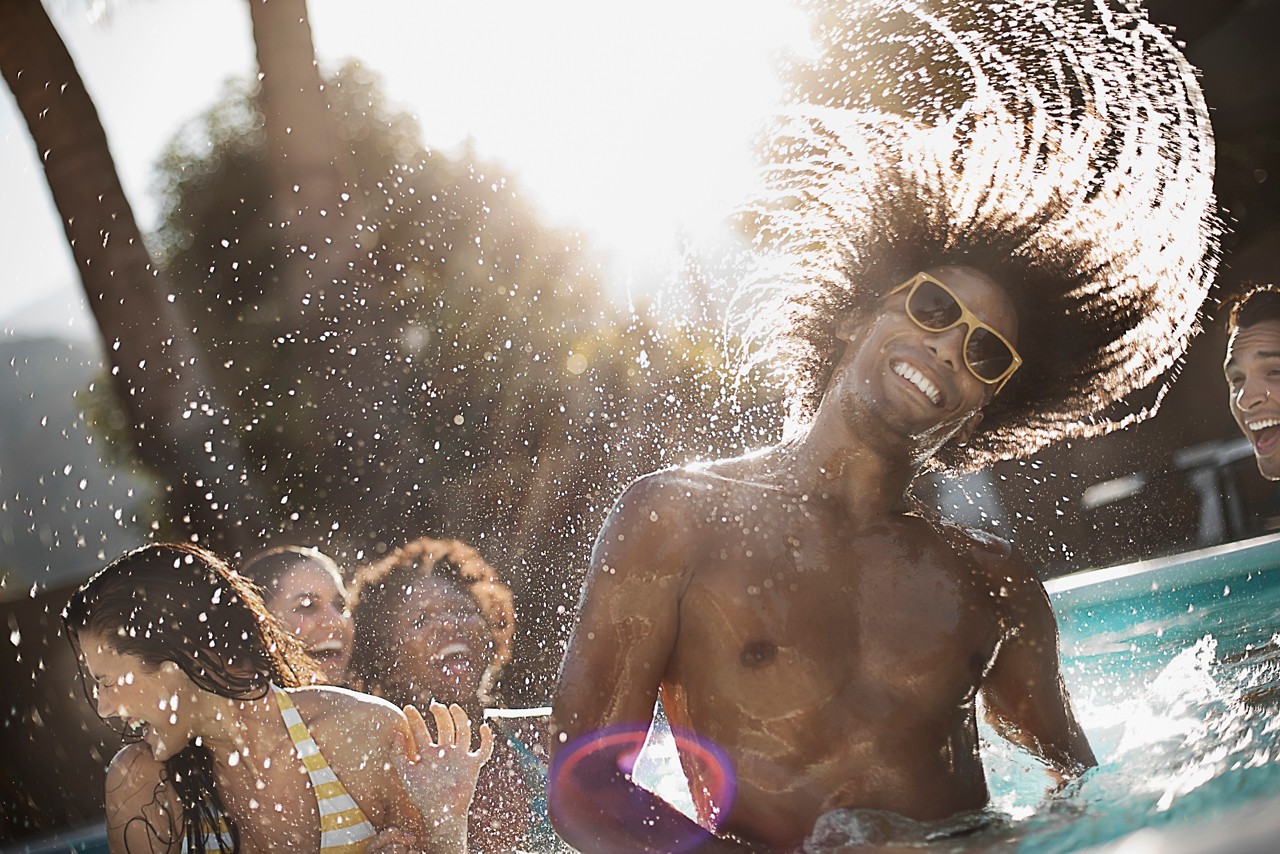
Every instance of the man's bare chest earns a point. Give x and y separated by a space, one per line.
812 613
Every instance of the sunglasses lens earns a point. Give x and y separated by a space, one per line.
987 355
933 308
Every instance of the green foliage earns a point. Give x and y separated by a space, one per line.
469 377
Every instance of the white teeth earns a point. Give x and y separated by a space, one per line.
455 648
1263 425
331 645
919 380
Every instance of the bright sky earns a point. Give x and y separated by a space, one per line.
630 122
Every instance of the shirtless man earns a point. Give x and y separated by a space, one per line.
797 610
1252 368
934 295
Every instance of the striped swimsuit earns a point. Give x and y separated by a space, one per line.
344 829
343 826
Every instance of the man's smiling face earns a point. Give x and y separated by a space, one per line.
914 381
1252 369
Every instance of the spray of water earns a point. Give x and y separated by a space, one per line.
1070 139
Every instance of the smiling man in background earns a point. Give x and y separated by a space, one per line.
1252 368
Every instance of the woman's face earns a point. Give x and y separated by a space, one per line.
440 644
312 604
155 703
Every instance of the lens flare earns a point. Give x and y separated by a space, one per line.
591 775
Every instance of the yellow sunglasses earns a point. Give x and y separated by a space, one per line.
934 307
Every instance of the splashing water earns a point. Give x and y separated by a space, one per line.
1183 726
1177 694
1070 137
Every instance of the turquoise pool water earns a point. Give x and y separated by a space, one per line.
1174 669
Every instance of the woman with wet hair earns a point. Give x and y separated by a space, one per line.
228 752
435 622
304 590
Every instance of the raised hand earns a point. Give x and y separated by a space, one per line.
439 774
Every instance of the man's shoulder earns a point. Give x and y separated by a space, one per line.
1016 588
717 481
654 527
994 555
977 543
669 488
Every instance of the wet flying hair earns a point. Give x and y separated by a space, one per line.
382 585
1064 150
180 603
1260 304
265 569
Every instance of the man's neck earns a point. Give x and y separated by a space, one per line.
830 462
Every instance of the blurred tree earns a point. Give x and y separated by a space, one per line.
399 344
175 422
472 381
429 359
308 171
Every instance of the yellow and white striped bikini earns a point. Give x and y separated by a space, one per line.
344 829
343 825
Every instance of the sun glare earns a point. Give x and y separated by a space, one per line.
634 125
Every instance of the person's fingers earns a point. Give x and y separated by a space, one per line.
444 725
418 729
400 759
461 727
486 743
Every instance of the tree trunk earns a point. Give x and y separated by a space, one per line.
155 366
310 170
328 294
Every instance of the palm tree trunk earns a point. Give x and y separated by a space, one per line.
310 170
155 359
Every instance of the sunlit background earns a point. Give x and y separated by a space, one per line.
632 124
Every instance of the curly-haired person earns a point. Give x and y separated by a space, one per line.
231 746
434 621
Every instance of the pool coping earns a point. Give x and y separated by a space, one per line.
1173 572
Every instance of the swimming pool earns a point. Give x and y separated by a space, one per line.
1174 670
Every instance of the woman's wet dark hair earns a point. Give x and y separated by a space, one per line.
380 586
178 602
265 569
